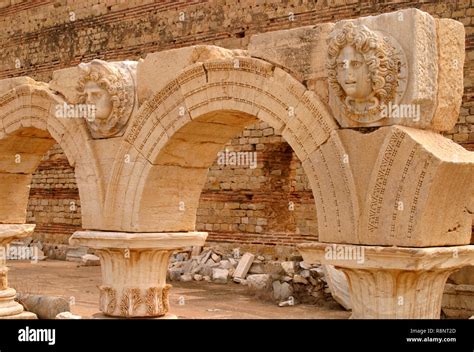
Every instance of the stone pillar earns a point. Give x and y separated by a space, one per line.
134 267
9 308
392 282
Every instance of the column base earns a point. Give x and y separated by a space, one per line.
134 267
23 315
392 282
9 308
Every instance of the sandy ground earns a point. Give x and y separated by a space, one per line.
190 300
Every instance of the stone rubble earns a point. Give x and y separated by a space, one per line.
90 260
285 282
67 315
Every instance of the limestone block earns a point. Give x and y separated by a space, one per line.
105 152
309 126
157 69
220 275
64 82
10 83
300 51
45 307
258 282
22 151
450 35
177 204
396 186
14 192
243 266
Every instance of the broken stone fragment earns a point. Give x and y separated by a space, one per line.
67 315
45 307
244 266
258 281
281 291
186 278
90 260
220 276
288 267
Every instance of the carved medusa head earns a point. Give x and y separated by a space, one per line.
104 86
363 71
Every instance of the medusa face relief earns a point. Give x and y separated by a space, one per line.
100 98
353 74
110 89
363 71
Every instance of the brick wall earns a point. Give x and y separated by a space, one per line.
242 205
54 204
269 204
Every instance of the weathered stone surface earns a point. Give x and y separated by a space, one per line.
45 307
175 273
76 254
67 315
14 190
243 266
281 291
338 286
458 301
289 267
225 264
415 41
220 276
157 69
381 275
464 276
298 279
427 50
186 278
258 281
299 50
130 288
408 188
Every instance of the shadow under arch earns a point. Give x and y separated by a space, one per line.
175 136
28 128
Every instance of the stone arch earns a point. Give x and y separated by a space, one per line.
176 134
28 124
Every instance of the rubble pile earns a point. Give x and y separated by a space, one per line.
286 282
